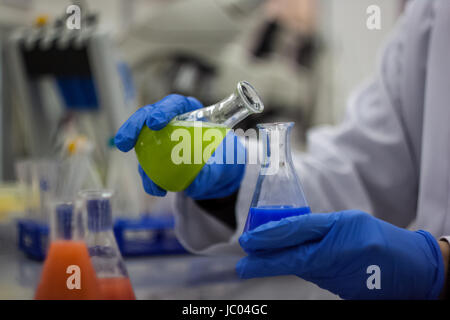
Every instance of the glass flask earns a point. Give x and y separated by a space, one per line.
122 179
37 178
278 193
68 273
200 131
95 207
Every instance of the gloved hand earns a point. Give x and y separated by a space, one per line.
335 251
215 180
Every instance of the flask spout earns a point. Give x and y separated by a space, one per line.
231 110
250 97
276 145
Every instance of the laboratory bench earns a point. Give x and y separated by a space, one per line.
183 276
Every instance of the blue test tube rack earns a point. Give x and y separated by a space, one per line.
147 236
144 236
33 238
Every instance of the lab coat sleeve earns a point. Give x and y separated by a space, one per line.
370 161
365 163
201 233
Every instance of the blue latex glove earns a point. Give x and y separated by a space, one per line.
215 180
334 251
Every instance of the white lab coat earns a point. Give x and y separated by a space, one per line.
390 156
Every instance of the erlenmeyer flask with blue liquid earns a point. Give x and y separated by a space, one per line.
278 193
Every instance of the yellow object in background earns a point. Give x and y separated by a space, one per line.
11 201
41 20
77 144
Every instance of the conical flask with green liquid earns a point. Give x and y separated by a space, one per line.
173 156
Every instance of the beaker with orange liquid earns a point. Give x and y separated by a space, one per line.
68 273
110 268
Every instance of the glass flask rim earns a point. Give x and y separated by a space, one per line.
279 124
57 203
90 194
250 97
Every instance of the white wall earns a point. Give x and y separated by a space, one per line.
353 49
116 15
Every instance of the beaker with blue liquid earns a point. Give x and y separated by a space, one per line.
278 193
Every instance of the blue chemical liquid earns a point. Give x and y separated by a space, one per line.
261 215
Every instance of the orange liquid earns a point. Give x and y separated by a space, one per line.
116 289
55 279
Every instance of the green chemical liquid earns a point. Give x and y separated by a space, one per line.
173 156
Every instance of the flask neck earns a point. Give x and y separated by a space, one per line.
96 208
99 216
278 186
231 110
276 143
63 226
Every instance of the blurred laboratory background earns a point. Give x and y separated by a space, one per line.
64 93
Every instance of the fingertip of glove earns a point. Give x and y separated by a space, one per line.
195 104
240 268
243 239
122 143
152 189
158 192
128 133
248 243
157 121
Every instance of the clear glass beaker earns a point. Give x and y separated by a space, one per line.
38 181
68 273
278 192
173 156
122 179
29 184
95 208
